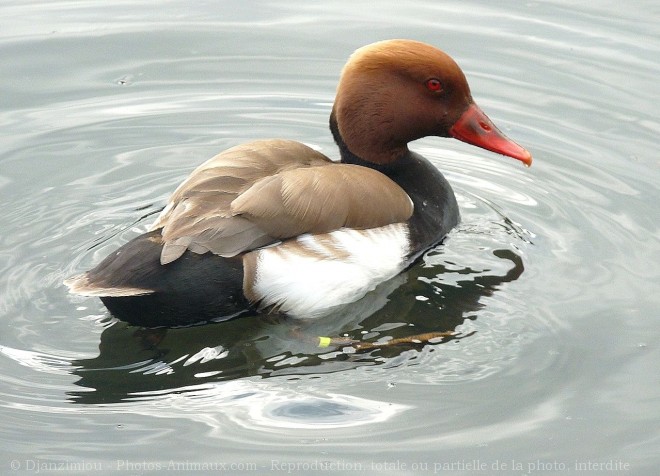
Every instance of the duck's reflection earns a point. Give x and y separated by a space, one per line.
133 361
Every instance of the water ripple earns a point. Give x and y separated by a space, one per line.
103 215
547 265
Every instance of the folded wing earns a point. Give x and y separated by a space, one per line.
266 191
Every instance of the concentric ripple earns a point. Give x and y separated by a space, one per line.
543 291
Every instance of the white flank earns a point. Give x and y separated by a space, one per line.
307 278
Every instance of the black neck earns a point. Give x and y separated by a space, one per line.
436 210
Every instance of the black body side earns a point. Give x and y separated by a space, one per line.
194 288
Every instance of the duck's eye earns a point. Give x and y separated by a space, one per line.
434 85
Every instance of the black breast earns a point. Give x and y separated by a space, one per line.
436 210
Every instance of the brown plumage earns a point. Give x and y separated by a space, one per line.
382 103
259 193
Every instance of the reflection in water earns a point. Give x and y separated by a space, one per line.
135 362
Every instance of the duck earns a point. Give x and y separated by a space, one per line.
274 226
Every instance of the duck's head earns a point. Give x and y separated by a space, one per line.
396 91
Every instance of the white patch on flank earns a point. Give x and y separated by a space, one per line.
309 282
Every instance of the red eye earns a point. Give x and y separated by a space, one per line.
434 85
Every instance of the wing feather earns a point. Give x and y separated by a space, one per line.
265 191
322 199
198 215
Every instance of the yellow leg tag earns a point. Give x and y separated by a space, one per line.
324 341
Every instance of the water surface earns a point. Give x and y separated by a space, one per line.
549 283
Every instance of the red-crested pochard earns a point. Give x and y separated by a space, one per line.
274 225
